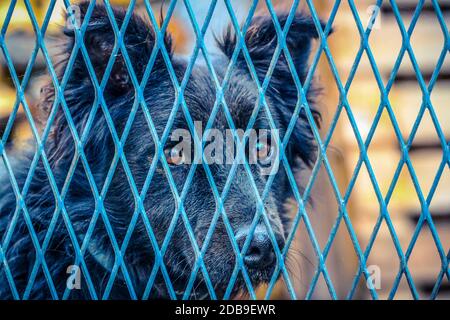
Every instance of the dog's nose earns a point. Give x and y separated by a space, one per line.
260 254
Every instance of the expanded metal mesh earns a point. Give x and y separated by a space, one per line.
302 105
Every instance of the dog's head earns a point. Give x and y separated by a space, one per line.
176 185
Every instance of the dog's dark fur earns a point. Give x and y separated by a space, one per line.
159 204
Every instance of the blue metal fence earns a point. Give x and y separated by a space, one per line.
220 104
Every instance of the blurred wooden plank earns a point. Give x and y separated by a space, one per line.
7 99
406 98
424 263
404 199
427 42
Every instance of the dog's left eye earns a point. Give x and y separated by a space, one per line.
264 152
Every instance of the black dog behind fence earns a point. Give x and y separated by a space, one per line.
153 175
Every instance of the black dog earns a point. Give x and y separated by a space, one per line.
80 206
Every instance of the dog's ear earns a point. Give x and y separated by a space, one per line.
99 40
261 40
80 94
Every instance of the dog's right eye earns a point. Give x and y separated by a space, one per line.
174 156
